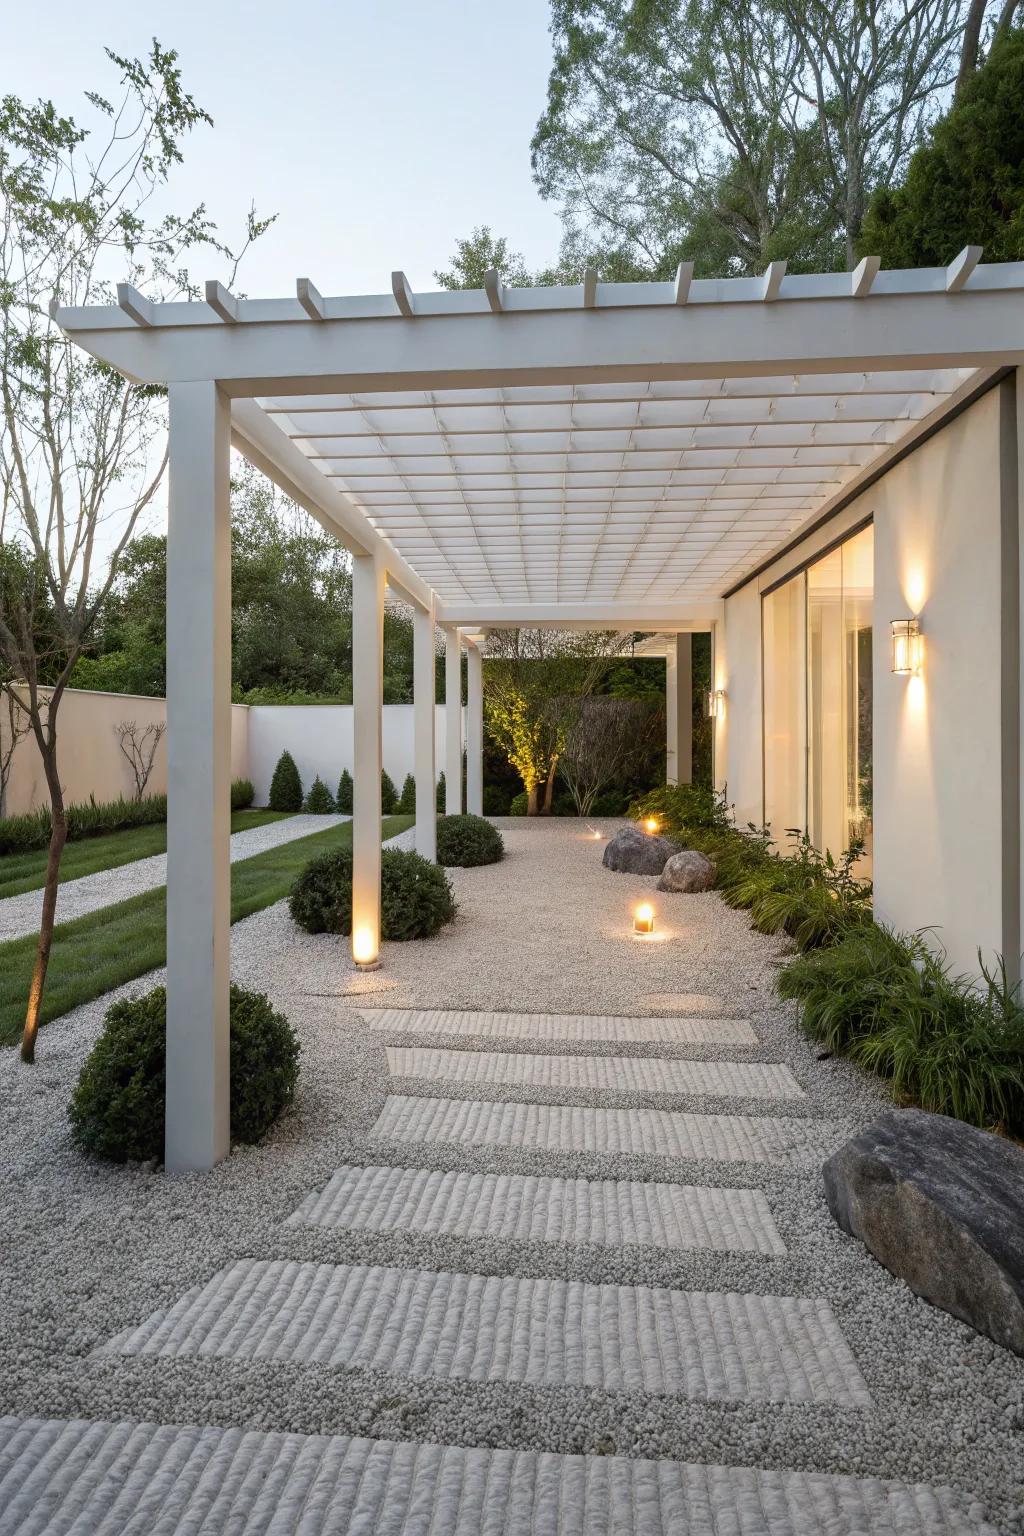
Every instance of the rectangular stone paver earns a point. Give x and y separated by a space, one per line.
543 1332
561 1026
602 1130
79 1478
632 1074
550 1210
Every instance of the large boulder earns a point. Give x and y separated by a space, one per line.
939 1204
687 871
633 852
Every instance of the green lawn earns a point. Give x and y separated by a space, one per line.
27 871
106 948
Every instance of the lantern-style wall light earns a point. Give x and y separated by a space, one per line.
714 703
907 645
643 918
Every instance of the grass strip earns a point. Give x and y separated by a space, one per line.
106 948
20 872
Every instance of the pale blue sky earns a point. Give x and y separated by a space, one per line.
378 133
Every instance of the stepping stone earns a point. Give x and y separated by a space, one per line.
59 1476
599 1129
549 1210
627 1074
561 1026
543 1332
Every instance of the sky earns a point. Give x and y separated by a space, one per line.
377 133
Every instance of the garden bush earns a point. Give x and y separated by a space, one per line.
117 1108
407 799
21 834
519 803
319 801
243 794
344 796
388 794
286 786
416 898
441 794
466 841
497 799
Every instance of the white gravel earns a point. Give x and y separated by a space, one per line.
89 1251
19 915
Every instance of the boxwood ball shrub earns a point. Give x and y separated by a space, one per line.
344 795
117 1109
242 794
416 899
286 786
468 840
319 801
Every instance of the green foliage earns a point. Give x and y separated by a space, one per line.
481 253
319 801
344 796
965 186
518 804
243 793
19 834
442 792
407 799
286 786
465 841
416 899
497 800
888 1003
117 1109
388 794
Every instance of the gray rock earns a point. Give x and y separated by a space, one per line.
939 1204
687 871
633 852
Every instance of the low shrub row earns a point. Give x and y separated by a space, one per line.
286 792
22 834
416 898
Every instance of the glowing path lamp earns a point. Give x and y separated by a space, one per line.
643 918
365 950
651 824
907 645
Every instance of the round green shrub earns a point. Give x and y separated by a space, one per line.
468 840
286 786
388 794
319 801
416 899
117 1108
344 796
518 804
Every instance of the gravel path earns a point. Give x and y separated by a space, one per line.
525 1306
20 914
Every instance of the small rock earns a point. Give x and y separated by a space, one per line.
632 852
938 1203
687 871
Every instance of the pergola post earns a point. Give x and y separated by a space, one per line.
452 722
368 582
475 732
423 732
679 709
197 1119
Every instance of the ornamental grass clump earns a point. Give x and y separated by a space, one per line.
466 841
416 898
118 1106
22 834
243 793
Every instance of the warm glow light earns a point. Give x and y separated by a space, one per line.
907 645
643 918
714 703
651 824
364 947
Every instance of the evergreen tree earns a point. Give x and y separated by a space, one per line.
319 801
388 794
407 799
286 786
344 800
441 792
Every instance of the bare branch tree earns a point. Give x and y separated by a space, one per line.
15 729
139 750
604 739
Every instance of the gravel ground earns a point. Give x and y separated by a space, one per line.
91 1250
20 914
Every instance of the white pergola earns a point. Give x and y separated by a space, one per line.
607 456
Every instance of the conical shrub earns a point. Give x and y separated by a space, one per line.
388 795
286 786
319 801
407 799
344 800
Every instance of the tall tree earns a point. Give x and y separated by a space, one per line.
484 252
82 451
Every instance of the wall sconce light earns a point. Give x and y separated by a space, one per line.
643 919
907 645
365 954
714 703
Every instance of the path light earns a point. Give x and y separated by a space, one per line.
643 918
907 645
594 834
365 955
651 825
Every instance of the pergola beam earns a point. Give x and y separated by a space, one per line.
672 618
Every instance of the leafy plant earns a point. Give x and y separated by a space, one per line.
319 801
21 834
467 841
519 804
416 898
388 794
441 794
243 794
286 786
345 790
407 799
118 1106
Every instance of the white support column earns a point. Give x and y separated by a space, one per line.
423 729
679 710
452 723
368 580
475 732
197 1126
